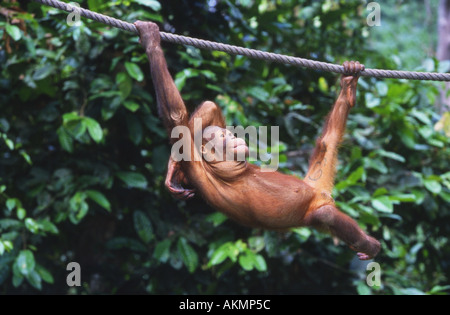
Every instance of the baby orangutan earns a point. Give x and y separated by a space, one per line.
269 200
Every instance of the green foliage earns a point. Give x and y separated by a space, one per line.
84 154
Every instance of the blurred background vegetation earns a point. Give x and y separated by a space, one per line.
83 154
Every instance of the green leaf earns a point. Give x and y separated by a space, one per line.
79 207
31 225
348 209
446 196
421 116
302 232
180 80
238 247
323 84
8 245
209 74
382 88
4 125
435 143
162 251
439 289
131 106
21 213
383 204
371 100
9 143
72 116
363 289
25 262
43 72
356 175
34 279
247 260
44 274
426 132
376 164
403 197
260 263
256 243
13 31
419 195
99 198
216 218
133 179
432 185
106 94
152 4
26 157
65 139
143 226
124 83
188 254
110 108
94 5
134 71
17 276
406 134
47 226
74 125
94 129
380 192
219 255
411 291
11 203
258 93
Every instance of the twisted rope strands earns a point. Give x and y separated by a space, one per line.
252 53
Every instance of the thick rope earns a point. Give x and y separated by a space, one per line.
253 53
